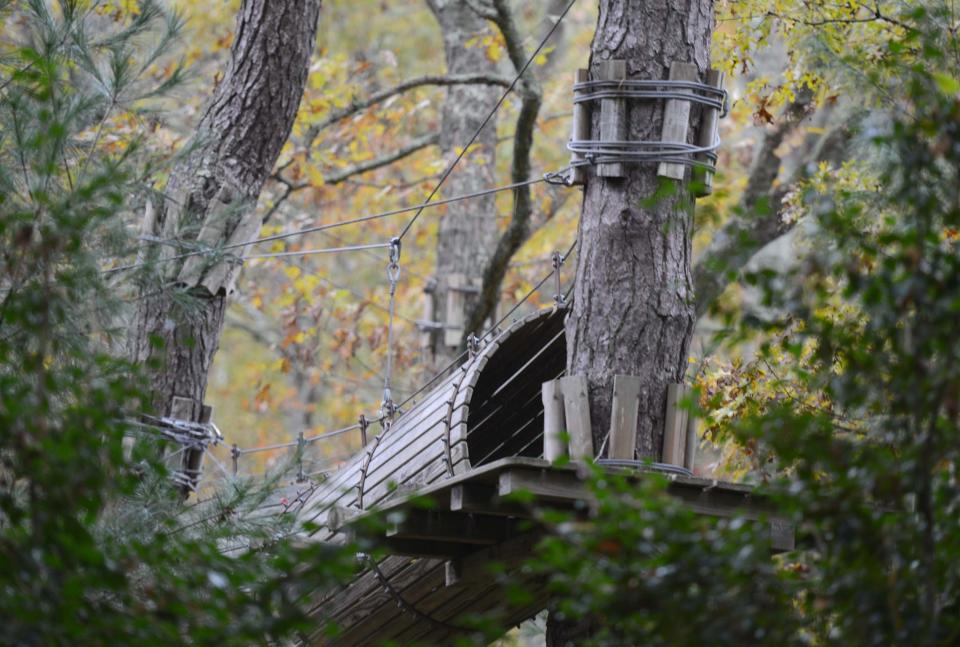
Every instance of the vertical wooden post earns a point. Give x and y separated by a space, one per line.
427 314
182 409
623 417
613 116
706 137
690 453
453 324
554 422
581 127
676 118
675 433
576 409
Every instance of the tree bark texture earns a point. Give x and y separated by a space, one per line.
211 194
633 310
468 230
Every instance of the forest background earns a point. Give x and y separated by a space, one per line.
814 89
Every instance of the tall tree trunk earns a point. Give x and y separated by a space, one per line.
633 310
468 231
211 195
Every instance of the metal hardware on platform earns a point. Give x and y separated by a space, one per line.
558 298
644 466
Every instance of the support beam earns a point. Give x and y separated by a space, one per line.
554 421
576 406
623 417
675 432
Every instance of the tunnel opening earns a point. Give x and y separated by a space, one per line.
506 409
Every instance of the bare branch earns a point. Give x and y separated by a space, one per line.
518 229
759 220
378 97
346 173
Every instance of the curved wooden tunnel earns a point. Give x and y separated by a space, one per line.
488 409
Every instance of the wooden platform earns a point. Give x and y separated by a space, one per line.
460 515
443 538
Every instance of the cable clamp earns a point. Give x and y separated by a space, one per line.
559 299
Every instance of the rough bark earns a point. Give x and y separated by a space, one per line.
467 232
633 310
212 192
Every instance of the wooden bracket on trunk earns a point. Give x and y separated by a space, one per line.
708 134
581 129
676 119
613 116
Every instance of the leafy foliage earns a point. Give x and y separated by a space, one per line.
848 414
95 548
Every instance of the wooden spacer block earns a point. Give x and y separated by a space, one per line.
456 301
623 417
576 409
676 118
554 421
581 127
675 431
708 133
613 116
690 451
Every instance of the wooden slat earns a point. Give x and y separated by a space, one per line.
676 118
623 416
576 406
613 116
675 432
581 127
707 135
554 423
453 328
544 485
436 525
690 445
483 498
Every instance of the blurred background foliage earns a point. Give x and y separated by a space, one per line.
824 365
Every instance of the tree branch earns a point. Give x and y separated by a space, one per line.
519 228
378 97
759 219
357 169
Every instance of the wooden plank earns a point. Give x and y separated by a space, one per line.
546 485
426 548
676 118
581 127
576 406
463 528
675 432
782 535
708 133
613 116
483 498
475 567
623 417
690 444
554 423
456 299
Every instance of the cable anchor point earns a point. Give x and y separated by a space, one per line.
559 299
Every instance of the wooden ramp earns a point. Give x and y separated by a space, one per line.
470 443
443 541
